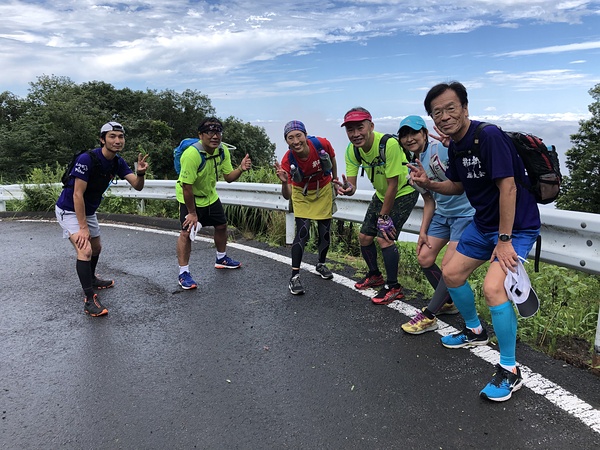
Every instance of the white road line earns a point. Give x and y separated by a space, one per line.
560 397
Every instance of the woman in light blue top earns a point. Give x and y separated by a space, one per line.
444 219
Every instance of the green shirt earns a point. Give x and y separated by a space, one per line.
204 183
395 165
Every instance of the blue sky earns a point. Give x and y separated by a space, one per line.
527 64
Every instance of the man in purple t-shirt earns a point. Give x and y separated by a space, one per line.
76 207
504 228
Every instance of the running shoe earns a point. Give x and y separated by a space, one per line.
296 286
420 324
503 384
99 283
324 271
465 338
186 281
387 295
93 307
370 281
227 263
448 309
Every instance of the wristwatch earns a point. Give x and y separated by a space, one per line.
384 216
504 237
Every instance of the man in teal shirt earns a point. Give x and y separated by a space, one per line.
390 206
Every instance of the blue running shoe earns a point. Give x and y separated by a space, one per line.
503 384
227 263
465 338
186 281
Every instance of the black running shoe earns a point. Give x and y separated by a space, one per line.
99 283
295 286
324 271
93 307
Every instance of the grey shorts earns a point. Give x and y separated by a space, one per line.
68 222
450 228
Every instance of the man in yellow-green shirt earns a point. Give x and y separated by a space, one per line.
199 202
384 160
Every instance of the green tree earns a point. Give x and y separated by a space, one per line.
582 187
11 108
249 139
59 118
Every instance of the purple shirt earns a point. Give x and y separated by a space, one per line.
497 159
81 169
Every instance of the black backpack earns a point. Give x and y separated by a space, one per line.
379 161
540 161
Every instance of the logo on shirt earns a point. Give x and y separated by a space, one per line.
474 167
81 169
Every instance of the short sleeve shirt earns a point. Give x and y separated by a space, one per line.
204 182
498 158
435 162
82 170
395 165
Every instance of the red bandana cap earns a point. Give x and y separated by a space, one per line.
356 116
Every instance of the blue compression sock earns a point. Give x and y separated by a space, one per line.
465 302
504 320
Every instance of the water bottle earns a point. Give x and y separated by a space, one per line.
296 175
325 161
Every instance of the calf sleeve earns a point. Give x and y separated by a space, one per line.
504 321
465 302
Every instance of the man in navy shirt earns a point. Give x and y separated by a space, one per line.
76 207
504 228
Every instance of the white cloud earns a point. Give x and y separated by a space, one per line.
555 49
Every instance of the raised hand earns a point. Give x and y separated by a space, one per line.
443 138
142 165
343 187
281 174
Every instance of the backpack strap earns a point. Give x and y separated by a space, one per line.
316 143
382 147
474 149
203 156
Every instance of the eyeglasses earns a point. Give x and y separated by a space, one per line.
438 113
212 133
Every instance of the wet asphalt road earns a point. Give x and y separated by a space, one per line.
239 363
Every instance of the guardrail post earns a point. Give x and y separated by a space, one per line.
596 356
2 202
290 225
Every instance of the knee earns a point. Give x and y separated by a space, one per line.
85 253
365 240
452 278
494 293
425 260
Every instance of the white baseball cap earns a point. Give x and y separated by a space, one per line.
519 290
112 126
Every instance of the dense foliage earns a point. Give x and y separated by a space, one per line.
582 187
59 118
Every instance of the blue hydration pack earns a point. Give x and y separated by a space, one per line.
194 142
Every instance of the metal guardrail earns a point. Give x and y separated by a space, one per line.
569 239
